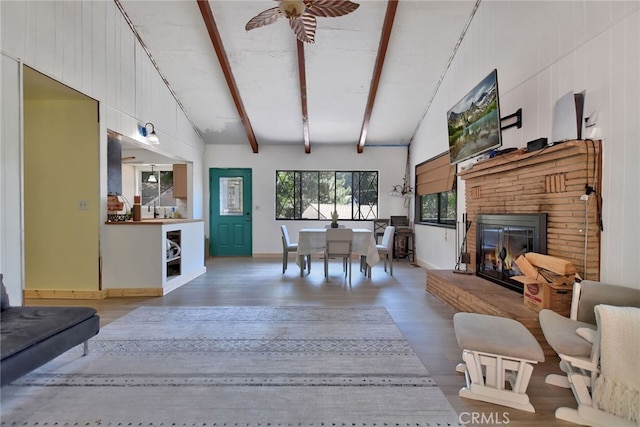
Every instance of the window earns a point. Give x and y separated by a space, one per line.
314 195
436 191
157 194
438 208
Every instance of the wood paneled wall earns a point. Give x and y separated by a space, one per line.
551 181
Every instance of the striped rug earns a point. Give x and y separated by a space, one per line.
235 366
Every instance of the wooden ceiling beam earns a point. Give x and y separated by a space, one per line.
389 17
303 97
216 40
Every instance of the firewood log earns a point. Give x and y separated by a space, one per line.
551 263
528 269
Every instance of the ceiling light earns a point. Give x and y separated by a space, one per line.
149 132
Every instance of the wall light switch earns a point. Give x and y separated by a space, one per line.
83 205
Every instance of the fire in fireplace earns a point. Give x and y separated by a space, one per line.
501 239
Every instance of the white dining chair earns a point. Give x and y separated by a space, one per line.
385 249
339 242
289 246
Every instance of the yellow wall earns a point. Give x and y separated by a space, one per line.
61 167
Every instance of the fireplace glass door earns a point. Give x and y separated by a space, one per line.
501 239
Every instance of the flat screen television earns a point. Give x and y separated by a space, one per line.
474 122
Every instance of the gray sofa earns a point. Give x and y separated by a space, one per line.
32 336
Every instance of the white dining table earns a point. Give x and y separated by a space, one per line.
313 240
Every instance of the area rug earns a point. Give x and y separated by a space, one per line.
235 366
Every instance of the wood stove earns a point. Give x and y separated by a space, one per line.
501 239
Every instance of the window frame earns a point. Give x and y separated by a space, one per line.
439 221
159 171
298 197
425 167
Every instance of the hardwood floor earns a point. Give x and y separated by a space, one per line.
425 321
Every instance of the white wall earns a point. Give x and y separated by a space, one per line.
11 231
388 161
543 50
89 47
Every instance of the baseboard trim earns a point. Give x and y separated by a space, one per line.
134 292
113 292
92 295
63 294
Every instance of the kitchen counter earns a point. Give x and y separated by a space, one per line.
151 257
155 221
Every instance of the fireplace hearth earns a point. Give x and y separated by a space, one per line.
501 239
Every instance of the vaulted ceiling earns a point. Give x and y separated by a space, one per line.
367 80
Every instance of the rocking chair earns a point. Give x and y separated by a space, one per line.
612 398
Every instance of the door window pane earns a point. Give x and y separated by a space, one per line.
231 196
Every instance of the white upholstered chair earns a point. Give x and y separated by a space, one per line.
339 242
385 249
288 246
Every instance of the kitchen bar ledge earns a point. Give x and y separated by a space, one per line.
139 260
154 221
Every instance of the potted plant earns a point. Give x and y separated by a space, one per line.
334 219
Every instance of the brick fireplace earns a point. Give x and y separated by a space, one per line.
549 183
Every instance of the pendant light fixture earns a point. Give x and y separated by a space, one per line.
152 177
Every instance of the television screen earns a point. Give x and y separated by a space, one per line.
474 122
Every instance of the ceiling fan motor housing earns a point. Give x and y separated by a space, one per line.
292 8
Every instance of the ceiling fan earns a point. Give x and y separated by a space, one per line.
302 15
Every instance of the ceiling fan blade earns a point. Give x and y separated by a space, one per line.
331 8
266 17
304 27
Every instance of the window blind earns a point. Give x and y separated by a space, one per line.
436 175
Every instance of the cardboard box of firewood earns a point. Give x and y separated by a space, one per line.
548 282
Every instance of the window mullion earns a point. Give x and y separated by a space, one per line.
297 201
335 190
319 194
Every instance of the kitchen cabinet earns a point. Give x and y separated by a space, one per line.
180 181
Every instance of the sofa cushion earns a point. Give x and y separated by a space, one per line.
560 333
4 297
22 327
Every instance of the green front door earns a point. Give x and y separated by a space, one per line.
230 231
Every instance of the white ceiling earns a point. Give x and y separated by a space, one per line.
339 68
